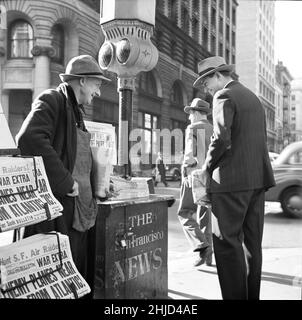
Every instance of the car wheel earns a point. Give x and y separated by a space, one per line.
176 176
291 202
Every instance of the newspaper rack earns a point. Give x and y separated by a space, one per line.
17 235
17 232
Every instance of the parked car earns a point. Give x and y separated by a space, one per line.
288 176
173 172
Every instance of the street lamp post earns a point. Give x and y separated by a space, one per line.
127 50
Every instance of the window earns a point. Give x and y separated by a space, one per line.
205 13
234 16
173 47
228 8
174 10
233 39
220 25
213 18
220 49
186 20
176 94
148 122
195 29
221 4
147 83
213 44
57 43
296 158
21 37
228 32
227 55
205 34
196 6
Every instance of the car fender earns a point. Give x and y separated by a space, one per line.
274 193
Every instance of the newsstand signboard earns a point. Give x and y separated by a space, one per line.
131 249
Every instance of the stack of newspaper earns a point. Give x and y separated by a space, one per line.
25 194
127 189
40 267
103 147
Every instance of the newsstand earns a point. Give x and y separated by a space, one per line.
128 249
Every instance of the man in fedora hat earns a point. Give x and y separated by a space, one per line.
55 130
197 140
240 172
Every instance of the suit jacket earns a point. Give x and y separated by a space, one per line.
238 158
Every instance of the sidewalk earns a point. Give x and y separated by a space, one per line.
281 276
281 268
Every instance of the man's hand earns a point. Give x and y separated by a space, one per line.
75 190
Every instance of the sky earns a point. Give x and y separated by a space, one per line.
288 35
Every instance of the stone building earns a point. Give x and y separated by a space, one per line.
296 109
255 56
284 79
37 38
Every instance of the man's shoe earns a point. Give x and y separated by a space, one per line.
204 257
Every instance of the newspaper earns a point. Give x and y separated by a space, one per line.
103 147
40 267
25 194
124 189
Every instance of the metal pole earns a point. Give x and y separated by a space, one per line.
125 126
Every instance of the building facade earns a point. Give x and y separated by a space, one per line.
38 39
296 109
279 116
284 79
255 56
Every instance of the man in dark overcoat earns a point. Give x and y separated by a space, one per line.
240 172
55 130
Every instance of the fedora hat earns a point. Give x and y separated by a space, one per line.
210 65
198 104
82 66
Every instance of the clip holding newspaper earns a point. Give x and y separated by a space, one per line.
40 267
25 194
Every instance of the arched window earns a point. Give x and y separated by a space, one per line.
57 43
147 83
21 39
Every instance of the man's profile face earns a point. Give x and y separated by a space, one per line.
90 88
193 116
211 84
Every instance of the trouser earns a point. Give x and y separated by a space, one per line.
198 233
240 218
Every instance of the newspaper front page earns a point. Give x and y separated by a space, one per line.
103 147
40 267
25 194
